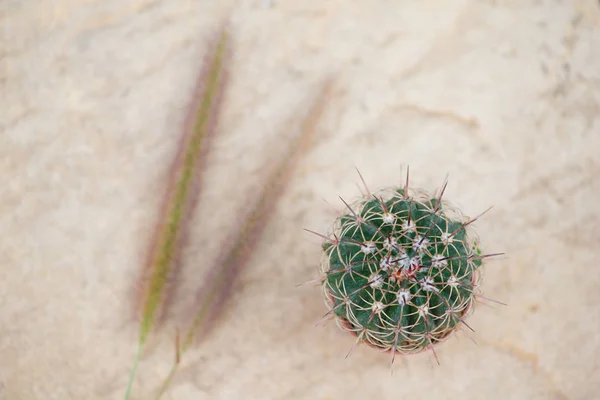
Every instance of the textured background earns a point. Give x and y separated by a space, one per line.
502 95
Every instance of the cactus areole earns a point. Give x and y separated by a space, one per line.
401 270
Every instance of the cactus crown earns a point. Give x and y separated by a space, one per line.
402 271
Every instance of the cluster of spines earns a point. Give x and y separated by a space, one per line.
401 273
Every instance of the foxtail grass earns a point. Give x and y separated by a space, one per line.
181 192
220 278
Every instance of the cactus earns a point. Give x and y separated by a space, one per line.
402 270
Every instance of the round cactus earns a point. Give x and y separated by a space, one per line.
401 271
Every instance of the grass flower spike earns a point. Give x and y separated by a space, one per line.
219 280
181 193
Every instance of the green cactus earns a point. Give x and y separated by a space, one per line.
402 270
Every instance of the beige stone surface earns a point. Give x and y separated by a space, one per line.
502 95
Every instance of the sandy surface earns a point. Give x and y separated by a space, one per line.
502 95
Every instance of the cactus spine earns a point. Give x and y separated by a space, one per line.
402 271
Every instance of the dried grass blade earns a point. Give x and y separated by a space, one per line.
182 190
221 276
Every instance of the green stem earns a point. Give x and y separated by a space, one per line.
167 382
133 370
